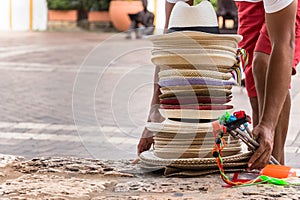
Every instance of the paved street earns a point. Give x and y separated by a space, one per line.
86 94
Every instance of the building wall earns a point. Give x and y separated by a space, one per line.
23 15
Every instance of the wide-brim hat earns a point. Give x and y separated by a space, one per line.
238 160
194 87
172 126
194 38
195 100
221 68
194 73
193 114
200 16
185 81
197 51
194 59
195 93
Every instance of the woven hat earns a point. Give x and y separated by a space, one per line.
194 59
201 15
240 159
203 51
193 114
181 81
197 107
196 92
194 87
192 47
200 153
162 141
195 100
194 37
178 127
194 73
222 68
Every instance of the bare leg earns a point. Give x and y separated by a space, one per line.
260 63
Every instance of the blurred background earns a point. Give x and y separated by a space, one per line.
41 15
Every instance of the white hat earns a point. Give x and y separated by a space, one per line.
201 15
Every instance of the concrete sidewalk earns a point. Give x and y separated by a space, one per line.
48 79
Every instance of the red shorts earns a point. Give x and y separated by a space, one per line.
256 39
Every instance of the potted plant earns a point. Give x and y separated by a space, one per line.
119 10
63 10
97 10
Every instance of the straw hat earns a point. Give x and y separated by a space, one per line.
195 93
194 73
194 37
200 153
203 51
197 107
192 47
182 81
184 15
175 143
193 114
194 87
195 100
221 68
171 126
194 59
188 137
196 43
239 159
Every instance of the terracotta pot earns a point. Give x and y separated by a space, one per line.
63 15
98 16
119 10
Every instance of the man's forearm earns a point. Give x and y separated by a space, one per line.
281 27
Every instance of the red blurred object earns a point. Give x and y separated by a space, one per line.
239 114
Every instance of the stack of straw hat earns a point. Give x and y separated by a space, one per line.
195 83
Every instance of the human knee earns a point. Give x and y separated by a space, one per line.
260 64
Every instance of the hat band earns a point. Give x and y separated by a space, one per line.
206 29
192 120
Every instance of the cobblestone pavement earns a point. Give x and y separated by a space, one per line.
59 178
48 79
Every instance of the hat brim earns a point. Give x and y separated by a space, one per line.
194 47
148 157
201 146
194 87
193 114
194 73
221 68
191 51
179 127
194 59
194 35
195 93
206 153
182 81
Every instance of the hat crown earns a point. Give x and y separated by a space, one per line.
201 15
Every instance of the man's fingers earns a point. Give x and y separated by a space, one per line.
262 161
255 157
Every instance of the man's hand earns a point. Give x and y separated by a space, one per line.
265 138
147 136
145 142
